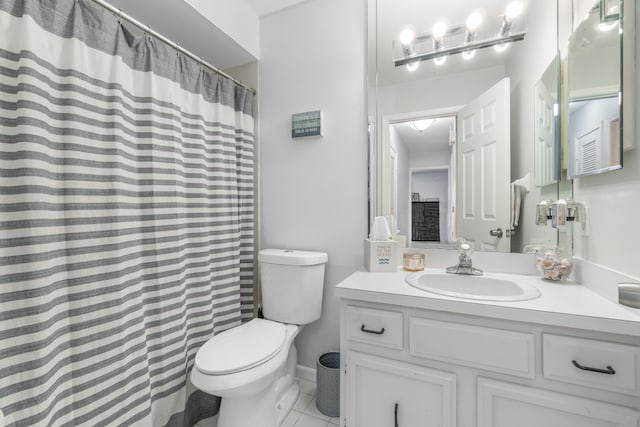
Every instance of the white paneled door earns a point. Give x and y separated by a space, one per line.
484 170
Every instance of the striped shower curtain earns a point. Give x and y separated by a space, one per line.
126 218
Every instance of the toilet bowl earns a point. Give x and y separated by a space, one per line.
251 367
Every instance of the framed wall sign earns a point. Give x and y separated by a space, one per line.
306 124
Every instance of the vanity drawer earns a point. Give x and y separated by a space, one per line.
591 363
497 350
379 327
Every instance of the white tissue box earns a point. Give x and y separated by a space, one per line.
380 255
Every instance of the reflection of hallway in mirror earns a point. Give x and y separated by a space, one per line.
429 212
423 157
425 220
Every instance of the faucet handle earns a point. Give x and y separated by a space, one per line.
464 247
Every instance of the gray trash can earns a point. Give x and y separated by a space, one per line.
328 382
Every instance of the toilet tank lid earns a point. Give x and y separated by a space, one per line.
292 257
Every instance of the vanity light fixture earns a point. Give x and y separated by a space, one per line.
412 66
473 23
514 9
466 39
440 60
468 54
437 33
406 38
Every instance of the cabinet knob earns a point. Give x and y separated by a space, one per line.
608 371
369 331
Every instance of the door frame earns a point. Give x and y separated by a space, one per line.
383 195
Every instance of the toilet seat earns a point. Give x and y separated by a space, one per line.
241 348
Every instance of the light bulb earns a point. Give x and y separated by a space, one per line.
421 124
473 21
501 47
412 66
439 30
440 60
468 54
406 36
513 10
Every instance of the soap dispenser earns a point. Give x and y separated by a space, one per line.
559 214
543 212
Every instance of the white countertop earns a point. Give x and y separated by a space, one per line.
560 303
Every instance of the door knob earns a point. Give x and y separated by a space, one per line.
496 233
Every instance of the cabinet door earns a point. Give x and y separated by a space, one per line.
386 393
508 405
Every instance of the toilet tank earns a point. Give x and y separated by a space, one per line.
292 283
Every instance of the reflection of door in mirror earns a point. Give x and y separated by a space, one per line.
484 169
393 181
546 150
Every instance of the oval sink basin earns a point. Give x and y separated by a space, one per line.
472 287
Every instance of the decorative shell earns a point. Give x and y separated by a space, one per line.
553 265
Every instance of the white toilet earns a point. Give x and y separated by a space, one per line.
252 366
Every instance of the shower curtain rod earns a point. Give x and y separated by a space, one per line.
147 29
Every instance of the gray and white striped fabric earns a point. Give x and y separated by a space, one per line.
126 217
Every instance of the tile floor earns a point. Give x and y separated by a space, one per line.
304 412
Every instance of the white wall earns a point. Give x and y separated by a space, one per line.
314 191
431 159
438 92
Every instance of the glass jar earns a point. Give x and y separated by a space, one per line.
412 261
553 264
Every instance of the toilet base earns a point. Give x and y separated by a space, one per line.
256 411
259 410
286 402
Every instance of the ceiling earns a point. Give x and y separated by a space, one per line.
395 15
182 23
434 138
266 7
200 36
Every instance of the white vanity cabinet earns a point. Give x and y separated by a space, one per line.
406 366
384 392
502 404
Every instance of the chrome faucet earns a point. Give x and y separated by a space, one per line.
465 265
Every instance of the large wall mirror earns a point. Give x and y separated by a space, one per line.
464 140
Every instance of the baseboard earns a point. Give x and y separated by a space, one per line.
305 373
